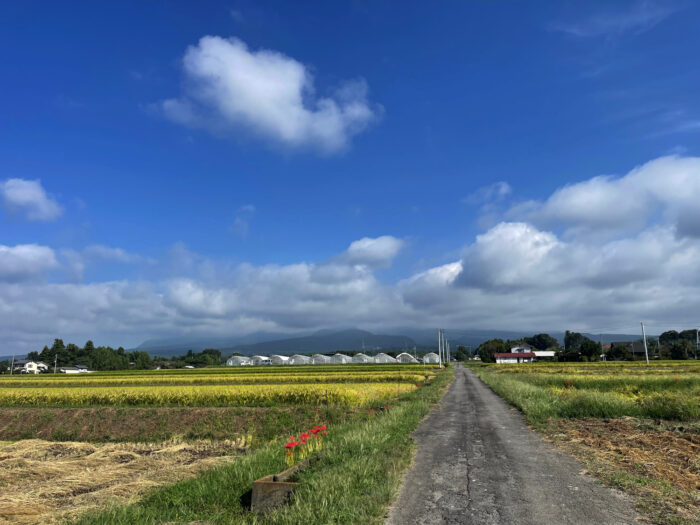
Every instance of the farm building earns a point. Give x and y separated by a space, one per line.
24 366
279 360
431 357
406 358
320 359
260 360
238 360
383 358
298 359
544 354
340 359
362 358
515 357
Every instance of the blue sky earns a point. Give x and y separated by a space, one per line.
172 168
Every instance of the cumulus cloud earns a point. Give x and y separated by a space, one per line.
28 198
668 186
25 262
376 252
540 272
230 87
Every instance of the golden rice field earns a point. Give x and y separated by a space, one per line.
210 379
359 385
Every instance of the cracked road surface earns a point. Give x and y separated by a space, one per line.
478 463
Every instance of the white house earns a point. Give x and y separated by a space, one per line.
238 360
515 357
406 358
362 358
279 359
383 358
320 359
431 358
340 359
260 360
298 359
24 366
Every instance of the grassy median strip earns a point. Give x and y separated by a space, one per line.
354 481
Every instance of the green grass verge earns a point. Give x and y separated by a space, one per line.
542 394
354 481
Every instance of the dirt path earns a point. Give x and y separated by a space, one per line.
478 463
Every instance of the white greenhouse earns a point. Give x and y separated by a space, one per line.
406 358
383 358
431 357
298 359
238 360
279 359
260 360
320 359
362 358
340 359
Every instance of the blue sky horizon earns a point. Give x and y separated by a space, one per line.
181 169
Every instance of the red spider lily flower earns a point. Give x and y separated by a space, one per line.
322 427
291 438
419 386
325 432
291 444
676 379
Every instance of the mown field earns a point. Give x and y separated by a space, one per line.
148 429
635 426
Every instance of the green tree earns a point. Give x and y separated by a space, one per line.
573 341
669 337
462 353
590 349
541 341
487 349
680 349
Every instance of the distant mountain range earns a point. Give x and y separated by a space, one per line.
350 339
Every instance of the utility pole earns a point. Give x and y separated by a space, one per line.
12 366
697 343
644 337
55 362
439 348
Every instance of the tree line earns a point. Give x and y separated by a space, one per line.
578 347
104 358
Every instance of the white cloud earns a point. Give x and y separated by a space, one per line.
241 223
376 252
520 275
636 18
230 87
495 192
668 186
100 252
29 198
25 262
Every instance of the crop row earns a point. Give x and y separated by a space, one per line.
136 380
255 370
350 394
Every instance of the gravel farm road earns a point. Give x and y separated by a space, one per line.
479 464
